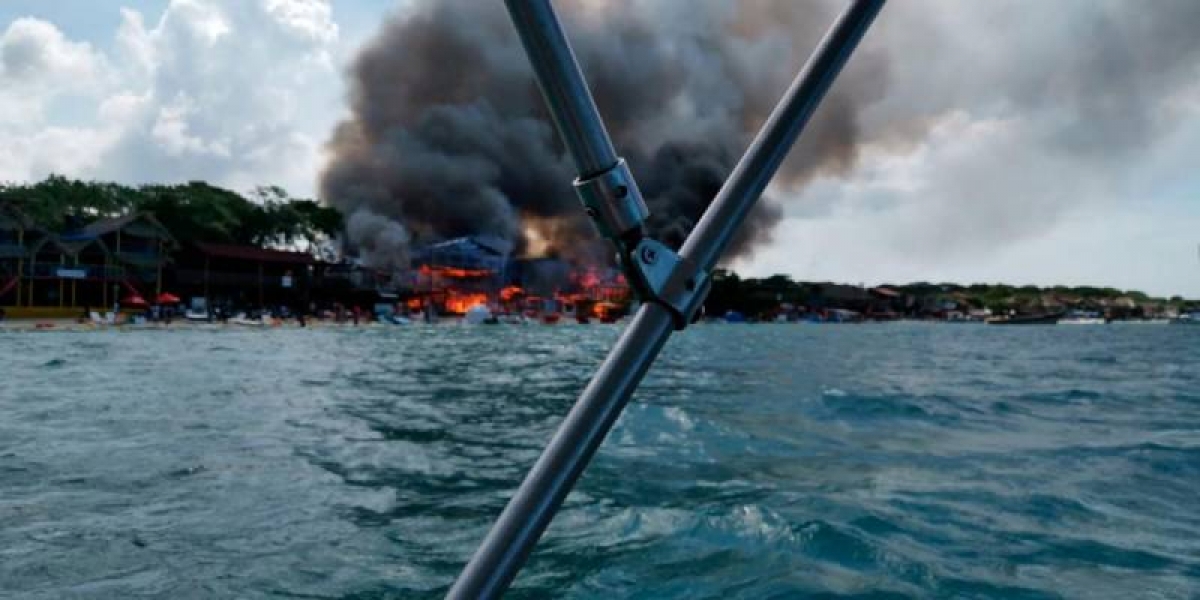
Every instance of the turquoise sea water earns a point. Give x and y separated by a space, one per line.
764 461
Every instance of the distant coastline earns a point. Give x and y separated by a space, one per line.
770 297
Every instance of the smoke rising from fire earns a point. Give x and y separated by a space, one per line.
966 128
382 242
448 135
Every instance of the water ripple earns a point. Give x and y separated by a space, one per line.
890 461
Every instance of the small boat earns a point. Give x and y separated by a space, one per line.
1079 317
1187 319
479 315
196 316
242 319
1036 319
551 318
107 319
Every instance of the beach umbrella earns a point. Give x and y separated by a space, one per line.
168 298
133 300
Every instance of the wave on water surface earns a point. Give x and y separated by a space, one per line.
881 461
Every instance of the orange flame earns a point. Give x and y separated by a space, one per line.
511 292
459 302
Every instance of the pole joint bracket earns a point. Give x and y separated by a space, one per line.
655 272
660 275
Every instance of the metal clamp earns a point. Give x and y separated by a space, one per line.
656 273
660 275
613 201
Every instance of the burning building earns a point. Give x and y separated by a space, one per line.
454 275
457 274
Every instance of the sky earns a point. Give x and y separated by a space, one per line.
1042 143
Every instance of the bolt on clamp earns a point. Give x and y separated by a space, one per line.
656 273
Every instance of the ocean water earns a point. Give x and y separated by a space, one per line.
760 461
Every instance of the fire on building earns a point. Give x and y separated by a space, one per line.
452 276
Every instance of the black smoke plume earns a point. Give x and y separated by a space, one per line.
448 135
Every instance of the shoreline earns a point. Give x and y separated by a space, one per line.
24 325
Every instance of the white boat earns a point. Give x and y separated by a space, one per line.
1081 321
242 319
196 316
107 319
1187 319
478 315
1079 317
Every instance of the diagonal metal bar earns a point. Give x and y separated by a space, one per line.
504 551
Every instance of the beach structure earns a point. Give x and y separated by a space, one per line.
459 273
17 235
206 275
116 257
91 265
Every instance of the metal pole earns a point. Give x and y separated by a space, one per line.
566 93
504 550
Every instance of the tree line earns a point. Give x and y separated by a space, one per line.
759 296
192 212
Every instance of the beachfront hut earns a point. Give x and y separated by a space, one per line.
35 265
840 296
242 276
13 253
98 263
18 234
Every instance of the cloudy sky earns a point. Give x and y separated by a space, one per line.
1057 142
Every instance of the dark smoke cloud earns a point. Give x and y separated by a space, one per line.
448 134
383 243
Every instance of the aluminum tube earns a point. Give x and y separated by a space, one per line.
567 94
504 550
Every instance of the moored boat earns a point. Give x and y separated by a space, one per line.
196 316
1187 319
1081 317
1035 319
479 314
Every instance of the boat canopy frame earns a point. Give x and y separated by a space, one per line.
672 286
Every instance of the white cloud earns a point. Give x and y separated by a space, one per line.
171 131
37 65
973 203
35 56
238 92
308 19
